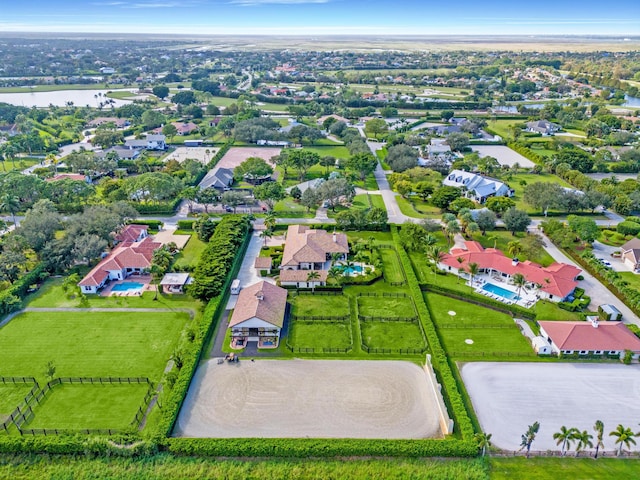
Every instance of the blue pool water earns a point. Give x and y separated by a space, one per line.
503 292
126 286
352 269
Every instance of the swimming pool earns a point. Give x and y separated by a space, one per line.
502 292
127 287
352 269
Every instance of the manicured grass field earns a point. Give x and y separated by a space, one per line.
546 310
388 307
391 265
542 468
475 323
287 208
86 344
379 237
531 178
190 253
320 334
393 335
337 151
89 406
407 209
51 295
501 238
10 397
319 305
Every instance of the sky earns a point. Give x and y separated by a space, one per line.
331 17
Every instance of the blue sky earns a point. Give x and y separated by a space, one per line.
315 17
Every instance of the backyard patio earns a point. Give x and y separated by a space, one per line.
497 287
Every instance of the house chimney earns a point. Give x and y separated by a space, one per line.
515 261
594 321
260 296
335 238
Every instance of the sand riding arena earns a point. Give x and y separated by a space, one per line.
310 398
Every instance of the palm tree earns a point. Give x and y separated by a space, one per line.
473 269
529 436
460 261
270 220
519 281
624 436
435 254
514 248
483 440
335 274
311 277
266 234
451 229
371 243
11 204
599 429
336 256
565 436
584 440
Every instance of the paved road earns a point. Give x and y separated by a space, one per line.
597 291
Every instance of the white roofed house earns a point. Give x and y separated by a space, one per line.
477 187
258 315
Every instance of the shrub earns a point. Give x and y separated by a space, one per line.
628 228
185 224
11 298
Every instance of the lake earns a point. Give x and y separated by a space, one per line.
631 101
59 98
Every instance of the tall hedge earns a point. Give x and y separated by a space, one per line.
11 298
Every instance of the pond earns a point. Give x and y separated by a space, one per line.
59 98
631 101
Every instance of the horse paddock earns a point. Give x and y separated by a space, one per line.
310 398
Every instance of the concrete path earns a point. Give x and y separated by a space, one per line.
597 291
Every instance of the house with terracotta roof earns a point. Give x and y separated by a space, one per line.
132 233
68 176
126 259
631 254
590 338
555 282
258 315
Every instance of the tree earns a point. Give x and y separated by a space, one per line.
483 440
514 248
565 436
327 161
295 193
451 229
40 224
206 197
412 236
435 254
624 437
11 265
486 220
334 190
335 274
160 91
447 115
443 197
457 141
87 247
10 203
312 276
363 164
185 97
309 198
529 436
516 220
50 370
152 119
404 188
376 126
269 193
303 160
473 269
170 131
251 169
423 189
266 235
584 440
106 138
461 203
233 198
599 429
499 205
585 228
402 157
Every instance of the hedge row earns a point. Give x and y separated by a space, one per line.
152 224
217 258
219 154
118 446
309 447
11 298
162 208
526 152
186 224
439 356
515 310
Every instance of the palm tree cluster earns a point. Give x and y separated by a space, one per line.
625 437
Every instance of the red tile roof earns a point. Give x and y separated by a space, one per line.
67 176
583 336
302 275
131 233
556 279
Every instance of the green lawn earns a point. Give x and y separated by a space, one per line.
510 468
546 310
390 307
320 334
288 208
531 178
11 395
494 334
501 238
391 265
190 254
51 295
632 278
407 209
392 335
319 305
85 344
380 237
377 201
613 238
89 406
337 151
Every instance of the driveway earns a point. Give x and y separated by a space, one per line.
597 291
600 250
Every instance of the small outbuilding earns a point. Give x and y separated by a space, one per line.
541 346
263 264
609 312
175 282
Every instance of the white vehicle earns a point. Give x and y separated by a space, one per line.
235 287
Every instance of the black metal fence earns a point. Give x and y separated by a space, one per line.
368 318
400 351
323 318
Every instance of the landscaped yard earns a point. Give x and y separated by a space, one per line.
529 178
501 238
470 330
78 406
320 334
544 468
391 265
386 307
190 254
392 335
546 310
125 344
11 395
379 237
319 305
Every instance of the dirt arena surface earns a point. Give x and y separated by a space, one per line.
504 155
236 155
198 153
310 398
507 397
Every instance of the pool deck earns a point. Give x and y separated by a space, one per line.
144 280
527 297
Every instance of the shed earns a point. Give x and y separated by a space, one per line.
609 312
175 282
263 263
541 346
193 143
